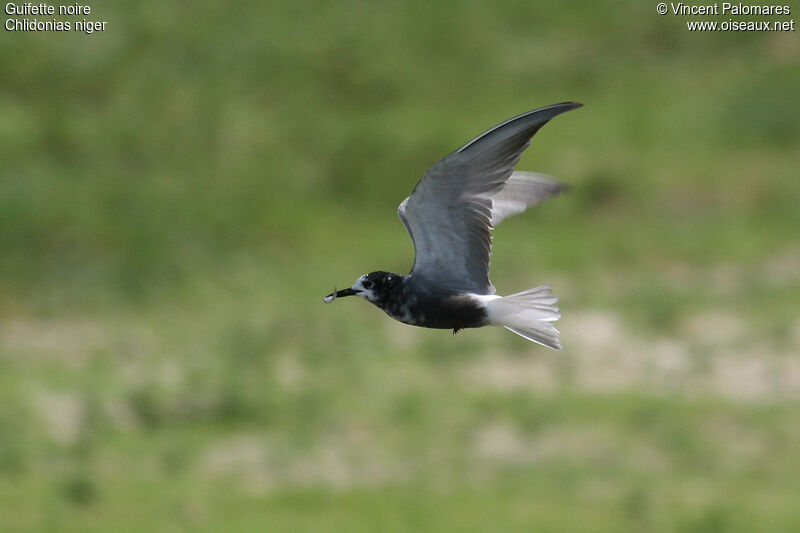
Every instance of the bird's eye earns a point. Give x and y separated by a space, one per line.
367 284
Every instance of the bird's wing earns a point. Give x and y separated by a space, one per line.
450 212
521 191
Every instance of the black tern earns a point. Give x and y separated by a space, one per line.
450 216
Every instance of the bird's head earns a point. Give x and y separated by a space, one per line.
373 287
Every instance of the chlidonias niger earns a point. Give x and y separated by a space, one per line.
450 215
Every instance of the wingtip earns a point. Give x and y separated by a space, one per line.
543 114
571 105
563 107
533 119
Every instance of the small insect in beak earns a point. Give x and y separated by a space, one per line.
331 297
339 294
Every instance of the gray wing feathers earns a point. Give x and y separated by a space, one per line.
450 244
450 213
521 128
522 190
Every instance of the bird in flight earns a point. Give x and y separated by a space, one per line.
450 215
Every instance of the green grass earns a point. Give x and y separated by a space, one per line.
179 191
591 463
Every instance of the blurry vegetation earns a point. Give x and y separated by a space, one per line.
178 192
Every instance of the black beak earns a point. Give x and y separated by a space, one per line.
339 294
346 292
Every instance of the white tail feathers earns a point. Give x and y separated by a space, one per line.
529 314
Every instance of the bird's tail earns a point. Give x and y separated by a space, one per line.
529 314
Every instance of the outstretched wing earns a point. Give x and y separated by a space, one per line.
450 213
521 191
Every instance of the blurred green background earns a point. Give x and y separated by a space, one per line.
178 192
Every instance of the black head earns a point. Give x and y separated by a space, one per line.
373 287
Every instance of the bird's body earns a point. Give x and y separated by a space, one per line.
426 306
450 215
